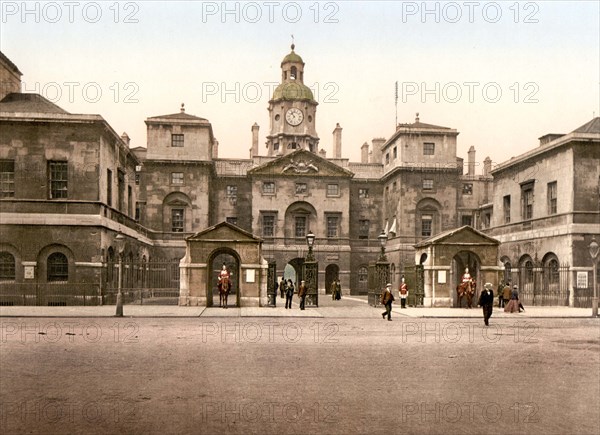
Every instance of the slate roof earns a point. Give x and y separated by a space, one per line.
29 103
181 116
592 126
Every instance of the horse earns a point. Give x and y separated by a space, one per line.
466 289
224 289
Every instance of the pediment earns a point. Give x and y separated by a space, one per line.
226 232
301 163
465 235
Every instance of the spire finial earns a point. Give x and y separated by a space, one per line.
182 108
293 45
417 117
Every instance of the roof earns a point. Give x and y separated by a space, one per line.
448 236
8 63
181 116
592 126
419 124
29 103
292 57
225 231
292 90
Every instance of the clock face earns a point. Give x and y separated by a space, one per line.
294 116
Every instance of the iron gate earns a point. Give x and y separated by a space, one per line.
153 282
542 285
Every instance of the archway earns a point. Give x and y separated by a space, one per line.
231 260
293 270
461 261
332 272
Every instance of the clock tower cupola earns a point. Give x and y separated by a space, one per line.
292 111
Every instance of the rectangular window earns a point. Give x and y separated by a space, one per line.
7 178
428 149
467 220
333 190
176 140
301 188
427 184
121 191
177 220
467 189
176 177
129 200
487 219
426 224
363 193
300 226
394 186
232 194
363 229
395 152
552 197
268 188
527 200
231 220
506 208
138 211
387 158
137 178
59 175
109 183
332 226
268 225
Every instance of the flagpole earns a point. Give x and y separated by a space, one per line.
396 94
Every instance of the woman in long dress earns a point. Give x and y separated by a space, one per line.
513 304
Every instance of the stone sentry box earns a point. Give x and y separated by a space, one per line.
197 266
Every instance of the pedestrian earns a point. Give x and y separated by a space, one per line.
513 304
499 293
386 299
486 301
333 289
282 287
302 294
289 293
338 289
403 291
506 294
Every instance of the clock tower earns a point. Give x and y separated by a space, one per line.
292 111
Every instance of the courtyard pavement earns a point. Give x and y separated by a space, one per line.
347 307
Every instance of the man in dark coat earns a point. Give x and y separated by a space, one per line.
289 294
302 294
486 300
282 287
386 299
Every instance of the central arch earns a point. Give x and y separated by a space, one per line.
231 259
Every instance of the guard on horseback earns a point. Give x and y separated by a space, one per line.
224 285
466 288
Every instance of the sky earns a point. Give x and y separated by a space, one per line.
501 73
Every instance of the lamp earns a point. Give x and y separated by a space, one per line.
120 245
382 242
310 241
594 248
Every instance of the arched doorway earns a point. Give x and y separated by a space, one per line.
293 270
461 261
230 259
332 272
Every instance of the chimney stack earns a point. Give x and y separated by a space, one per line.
323 153
125 138
471 161
364 153
215 149
337 141
487 166
376 153
255 129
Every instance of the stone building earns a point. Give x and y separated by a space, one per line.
89 184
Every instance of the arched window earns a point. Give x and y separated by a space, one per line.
57 267
528 271
7 266
552 270
294 73
363 274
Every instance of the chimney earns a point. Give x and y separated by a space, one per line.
487 166
337 141
471 161
364 153
255 129
215 149
323 153
125 138
376 153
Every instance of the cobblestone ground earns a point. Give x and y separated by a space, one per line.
299 375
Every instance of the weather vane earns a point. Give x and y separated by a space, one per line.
293 45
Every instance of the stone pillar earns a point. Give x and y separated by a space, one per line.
376 152
337 141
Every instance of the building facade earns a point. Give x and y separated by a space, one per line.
90 185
